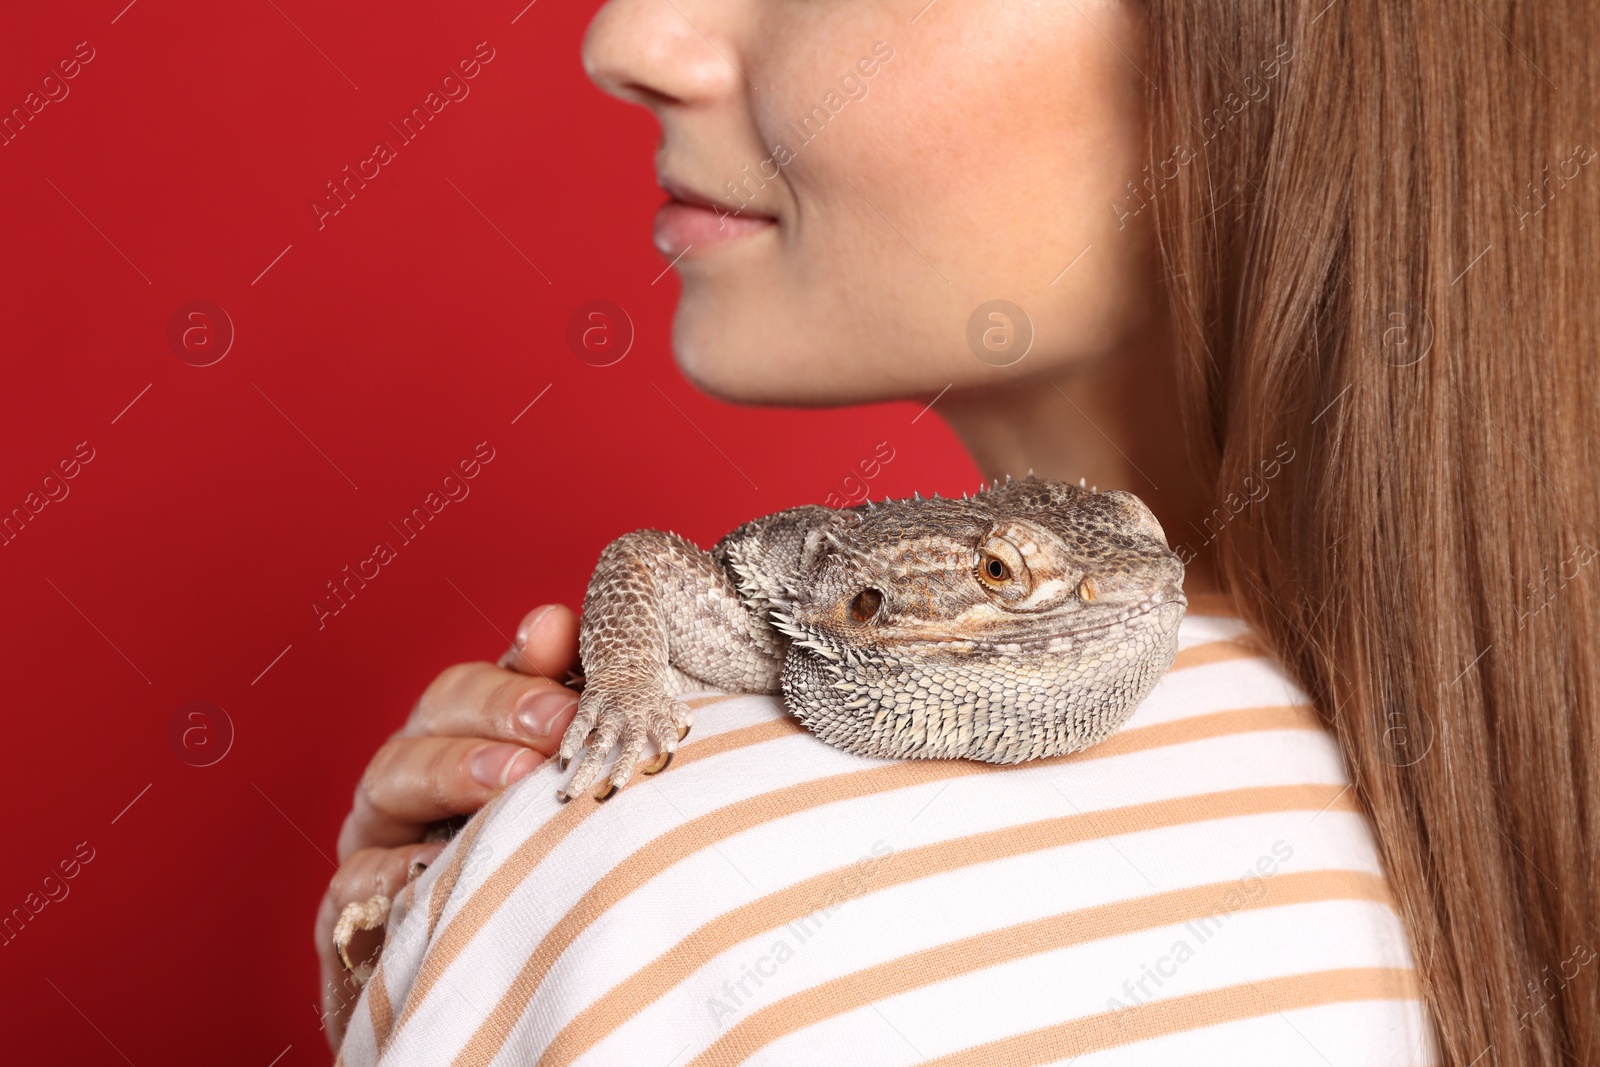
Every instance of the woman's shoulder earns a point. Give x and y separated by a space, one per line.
1201 884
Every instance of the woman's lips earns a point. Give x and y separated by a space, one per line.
680 226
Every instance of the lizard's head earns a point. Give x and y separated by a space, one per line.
933 625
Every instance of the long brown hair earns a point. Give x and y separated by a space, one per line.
1380 221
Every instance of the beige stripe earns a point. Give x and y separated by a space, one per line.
379 1010
409 901
1133 739
821 891
1177 1014
503 881
997 947
1194 728
744 736
706 701
446 882
1201 655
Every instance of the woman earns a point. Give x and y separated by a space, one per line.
1351 244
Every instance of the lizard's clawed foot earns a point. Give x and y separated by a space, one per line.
358 915
629 713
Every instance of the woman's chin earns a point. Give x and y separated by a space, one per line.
756 372
722 372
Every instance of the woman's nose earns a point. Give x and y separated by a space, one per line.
649 52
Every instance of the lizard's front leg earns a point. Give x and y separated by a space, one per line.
656 599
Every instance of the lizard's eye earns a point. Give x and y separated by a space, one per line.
1001 568
866 605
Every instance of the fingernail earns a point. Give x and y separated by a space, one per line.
542 711
530 624
523 765
497 766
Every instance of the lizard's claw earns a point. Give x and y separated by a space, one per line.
683 718
631 713
358 915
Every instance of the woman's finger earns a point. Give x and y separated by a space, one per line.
485 701
414 781
478 728
546 643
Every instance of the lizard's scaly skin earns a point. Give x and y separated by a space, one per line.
1026 621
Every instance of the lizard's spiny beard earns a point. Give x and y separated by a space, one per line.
975 703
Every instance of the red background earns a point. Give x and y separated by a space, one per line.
369 357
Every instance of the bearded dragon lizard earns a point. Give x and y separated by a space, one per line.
1026 621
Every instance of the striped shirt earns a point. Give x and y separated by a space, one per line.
1199 888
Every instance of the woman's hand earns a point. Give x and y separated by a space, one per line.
477 728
